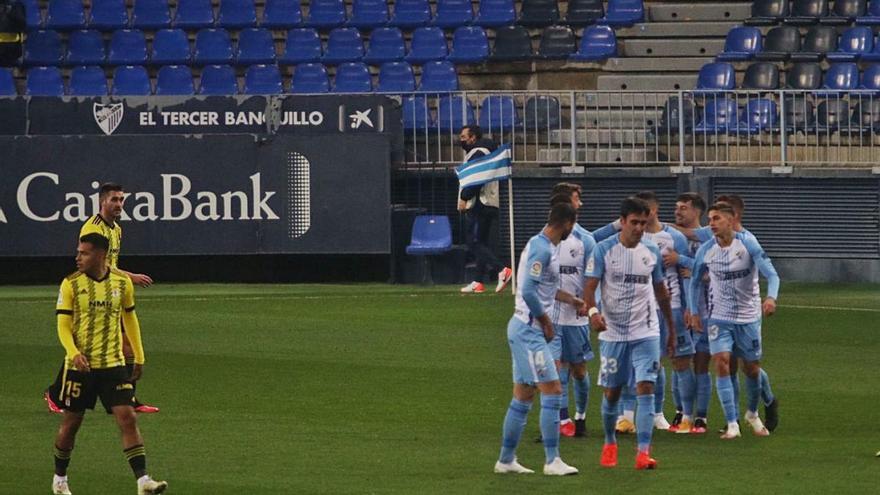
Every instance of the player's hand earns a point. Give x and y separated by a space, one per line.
670 343
81 363
462 205
597 322
577 302
695 323
684 272
769 306
583 310
549 333
141 280
136 371
687 318
670 259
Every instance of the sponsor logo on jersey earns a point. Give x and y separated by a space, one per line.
631 278
536 269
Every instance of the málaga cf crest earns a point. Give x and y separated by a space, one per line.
108 117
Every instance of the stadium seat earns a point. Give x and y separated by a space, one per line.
325 14
236 14
171 47
557 43
871 78
352 77
759 114
439 77
767 12
310 78
872 16
780 43
539 13
669 118
194 14
343 45
742 43
717 76
873 55
806 75
127 47
865 114
718 115
584 12
470 45
87 81
262 79
281 14
831 114
453 112
303 45
174 80
7 83
499 113
806 12
453 13
800 115
416 115
396 77
150 14
762 76
495 13
368 14
542 113
212 47
44 81
108 15
853 44
255 46
85 48
427 44
818 41
43 48
431 234
624 13
65 15
845 12
218 80
410 14
386 45
33 16
131 80
598 43
840 77
511 43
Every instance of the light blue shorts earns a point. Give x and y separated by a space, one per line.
638 360
684 343
532 358
701 339
741 340
576 347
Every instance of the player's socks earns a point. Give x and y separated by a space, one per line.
724 387
687 384
734 383
514 423
659 391
676 393
550 405
563 409
766 391
644 420
581 394
62 460
704 393
627 402
609 420
137 459
753 391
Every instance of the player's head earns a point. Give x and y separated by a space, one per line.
111 197
634 215
721 218
572 190
562 217
653 203
735 201
689 207
469 135
91 253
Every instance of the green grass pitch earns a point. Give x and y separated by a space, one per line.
279 389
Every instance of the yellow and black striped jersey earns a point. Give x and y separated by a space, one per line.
97 225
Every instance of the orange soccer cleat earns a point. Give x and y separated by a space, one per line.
566 429
53 408
645 461
609 455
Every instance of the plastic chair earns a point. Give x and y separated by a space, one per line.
396 77
539 13
762 76
865 114
85 48
281 14
742 43
806 12
759 114
831 114
800 116
818 41
108 15
150 14
310 78
499 113
853 44
343 45
872 16
171 47
780 43
453 13
767 12
495 13
542 113
236 14
262 79
807 75
439 77
624 13
845 12
368 14
557 43
43 48
669 118
212 47
717 76
326 14
427 44
512 43
131 80
44 81
871 78
470 45
386 45
194 14
65 15
33 16
87 81
416 115
303 45
174 80
718 115
218 80
598 43
431 235
127 47
410 14
352 77
453 112
584 12
255 46
840 77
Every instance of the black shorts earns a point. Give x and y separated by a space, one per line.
112 385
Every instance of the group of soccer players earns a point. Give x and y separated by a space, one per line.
650 290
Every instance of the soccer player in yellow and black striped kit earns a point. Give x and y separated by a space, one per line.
92 302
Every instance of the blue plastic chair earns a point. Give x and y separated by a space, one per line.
840 77
539 13
218 80
7 83
326 14
853 43
872 16
236 14
410 14
499 113
255 46
597 43
262 79
453 13
343 45
43 48
85 48
171 47
470 45
742 43
368 14
431 234
353 77
213 47
624 13
386 45
108 15
65 15
127 47
759 114
194 14
310 78
871 78
396 77
416 115
449 113
873 55
543 113
718 115
512 43
33 15
44 81
716 76
427 44
87 81
131 80
150 14
831 114
281 14
174 80
494 13
303 45
439 77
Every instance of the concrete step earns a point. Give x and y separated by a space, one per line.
697 47
642 82
678 29
606 118
692 11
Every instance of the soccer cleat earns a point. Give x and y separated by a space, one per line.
53 408
60 487
151 487
566 429
473 288
503 279
723 429
609 455
511 467
757 425
660 422
645 461
580 427
559 468
699 427
771 412
145 408
676 420
731 432
686 426
625 426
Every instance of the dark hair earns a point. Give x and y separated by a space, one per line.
734 200
694 199
567 188
561 197
97 240
634 205
647 196
107 187
723 207
561 213
474 130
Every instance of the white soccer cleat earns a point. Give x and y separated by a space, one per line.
758 427
559 468
473 288
660 422
512 467
732 431
151 487
60 487
503 279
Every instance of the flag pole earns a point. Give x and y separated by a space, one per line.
510 219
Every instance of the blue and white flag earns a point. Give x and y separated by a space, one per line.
488 168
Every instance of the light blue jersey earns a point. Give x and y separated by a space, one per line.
572 255
669 239
537 279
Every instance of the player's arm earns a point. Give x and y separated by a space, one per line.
765 266
64 317
132 329
592 277
701 234
695 289
537 263
607 231
566 298
661 293
681 250
139 279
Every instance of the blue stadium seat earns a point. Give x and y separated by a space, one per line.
255 46
800 116
767 12
171 47
386 45
352 77
871 78
213 47
303 45
453 112
368 14
108 15
218 80
326 14
85 48
540 13
194 14
845 12
427 44
343 45
759 114
310 78
495 13
44 81
584 12
543 113
236 14
872 16
865 115
831 114
439 77
742 43
396 77
597 43
33 15
43 48
717 116
470 45
499 113
624 13
416 115
853 43
717 76
131 80
87 81
557 43
150 14
262 79
779 43
873 55
7 83
453 13
761 76
65 15
431 234
174 80
806 12
281 14
127 47
805 75
840 77
410 14
512 43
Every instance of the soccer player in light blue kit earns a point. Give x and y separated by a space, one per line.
733 261
629 271
528 334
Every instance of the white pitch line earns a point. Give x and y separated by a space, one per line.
831 308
